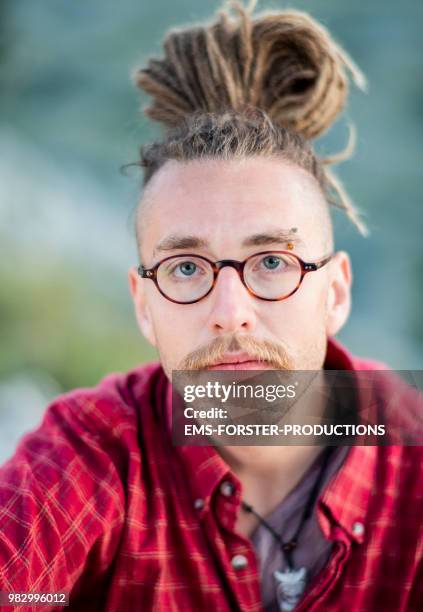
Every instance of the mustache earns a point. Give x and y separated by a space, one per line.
275 354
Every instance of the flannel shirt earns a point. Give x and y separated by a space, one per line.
97 502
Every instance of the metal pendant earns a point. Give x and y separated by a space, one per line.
290 586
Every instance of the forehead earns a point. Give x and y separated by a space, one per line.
226 200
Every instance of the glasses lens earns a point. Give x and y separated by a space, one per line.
185 279
272 275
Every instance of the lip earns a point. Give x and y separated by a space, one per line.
240 361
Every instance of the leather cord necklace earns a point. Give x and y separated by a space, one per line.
291 582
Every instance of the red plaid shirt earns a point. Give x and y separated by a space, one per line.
99 503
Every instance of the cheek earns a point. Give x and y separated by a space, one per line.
313 294
300 322
174 329
305 308
311 310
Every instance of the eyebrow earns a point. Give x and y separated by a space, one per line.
175 242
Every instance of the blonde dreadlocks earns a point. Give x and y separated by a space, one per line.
244 86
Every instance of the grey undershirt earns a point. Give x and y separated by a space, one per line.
313 550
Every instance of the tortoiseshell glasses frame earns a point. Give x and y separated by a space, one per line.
239 266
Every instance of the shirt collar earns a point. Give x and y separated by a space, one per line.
346 497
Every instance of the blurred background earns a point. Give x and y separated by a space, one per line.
70 117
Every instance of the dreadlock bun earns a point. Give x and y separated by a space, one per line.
284 63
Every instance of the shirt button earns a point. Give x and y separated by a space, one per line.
227 488
239 562
199 503
358 528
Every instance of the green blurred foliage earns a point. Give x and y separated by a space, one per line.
51 320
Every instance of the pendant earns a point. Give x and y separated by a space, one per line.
290 587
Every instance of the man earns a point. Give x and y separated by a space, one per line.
98 503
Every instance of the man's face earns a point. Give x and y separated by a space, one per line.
222 204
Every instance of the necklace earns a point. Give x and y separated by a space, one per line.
291 582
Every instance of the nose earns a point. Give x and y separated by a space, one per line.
232 307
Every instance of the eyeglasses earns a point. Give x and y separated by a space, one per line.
268 275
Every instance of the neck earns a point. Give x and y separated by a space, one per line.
272 470
267 474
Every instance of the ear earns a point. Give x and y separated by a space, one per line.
338 304
137 287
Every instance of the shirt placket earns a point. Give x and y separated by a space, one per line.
239 560
322 586
236 553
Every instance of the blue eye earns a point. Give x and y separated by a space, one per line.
271 262
187 268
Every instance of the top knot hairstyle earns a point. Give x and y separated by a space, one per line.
244 86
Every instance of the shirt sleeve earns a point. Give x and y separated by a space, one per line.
61 506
